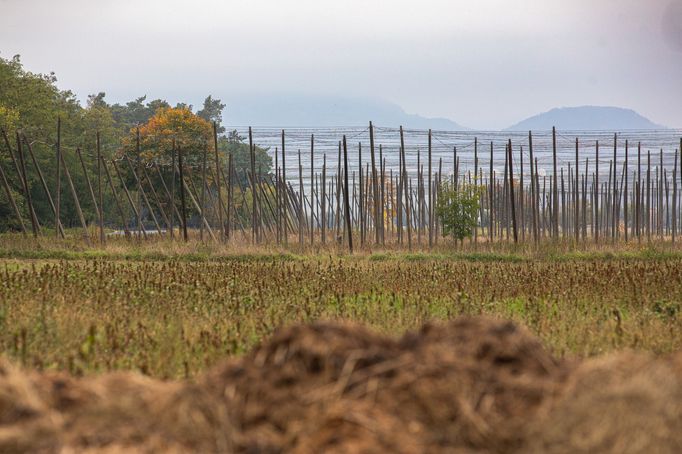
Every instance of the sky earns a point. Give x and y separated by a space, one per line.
485 64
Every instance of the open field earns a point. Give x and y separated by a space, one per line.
173 312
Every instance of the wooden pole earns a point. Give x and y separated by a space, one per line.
115 196
183 207
625 193
596 187
615 216
491 208
172 191
86 236
223 228
254 194
533 192
405 189
42 182
141 193
34 219
511 191
431 210
555 188
323 208
10 197
576 202
102 238
378 221
312 188
202 199
346 198
284 195
58 193
87 181
301 214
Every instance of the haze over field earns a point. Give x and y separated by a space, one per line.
485 64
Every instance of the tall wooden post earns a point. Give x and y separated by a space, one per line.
284 194
555 189
202 199
431 210
27 191
346 198
405 189
172 191
218 173
254 192
533 192
99 191
491 207
323 208
378 221
576 202
511 191
312 189
361 208
614 216
674 215
183 206
58 194
596 188
625 193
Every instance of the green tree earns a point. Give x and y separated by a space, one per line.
213 112
457 209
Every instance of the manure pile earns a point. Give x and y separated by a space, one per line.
471 385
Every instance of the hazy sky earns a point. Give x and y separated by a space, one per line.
483 63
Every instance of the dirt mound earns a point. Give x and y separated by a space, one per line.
471 385
626 403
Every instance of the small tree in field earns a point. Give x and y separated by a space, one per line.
457 209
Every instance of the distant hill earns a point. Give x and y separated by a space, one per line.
323 111
586 118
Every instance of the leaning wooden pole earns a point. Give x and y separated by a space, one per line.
533 193
42 182
102 238
74 194
312 189
10 197
511 191
555 189
430 192
346 197
405 190
378 221
223 230
27 192
58 193
674 215
284 194
202 196
183 206
115 196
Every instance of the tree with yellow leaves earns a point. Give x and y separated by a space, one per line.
190 132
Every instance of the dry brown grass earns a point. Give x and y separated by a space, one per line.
470 385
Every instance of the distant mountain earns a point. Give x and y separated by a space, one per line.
326 111
586 118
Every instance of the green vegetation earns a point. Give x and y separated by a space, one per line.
174 313
31 104
458 210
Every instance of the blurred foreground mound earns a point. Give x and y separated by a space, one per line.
471 385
